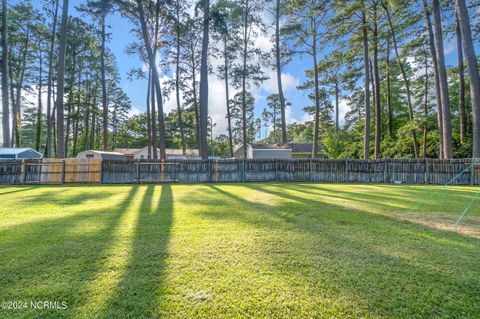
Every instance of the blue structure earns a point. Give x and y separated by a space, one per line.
18 153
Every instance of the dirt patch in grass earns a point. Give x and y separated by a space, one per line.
468 226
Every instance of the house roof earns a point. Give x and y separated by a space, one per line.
301 147
168 151
275 146
14 150
105 152
126 151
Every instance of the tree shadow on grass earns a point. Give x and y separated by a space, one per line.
68 196
411 196
42 261
136 295
16 190
377 264
434 213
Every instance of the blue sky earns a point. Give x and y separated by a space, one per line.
293 74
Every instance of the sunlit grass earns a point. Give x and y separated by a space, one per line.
240 250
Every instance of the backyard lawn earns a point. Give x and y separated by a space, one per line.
240 250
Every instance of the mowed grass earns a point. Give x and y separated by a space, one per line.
240 250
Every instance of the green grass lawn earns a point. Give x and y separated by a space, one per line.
240 250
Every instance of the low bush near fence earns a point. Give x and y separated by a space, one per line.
409 171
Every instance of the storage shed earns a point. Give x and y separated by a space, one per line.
17 153
113 156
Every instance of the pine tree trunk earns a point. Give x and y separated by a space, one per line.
227 98
177 84
366 142
473 74
38 131
48 147
149 118
389 92
5 80
17 119
461 83
316 91
425 110
13 103
153 107
204 83
195 102
405 80
104 85
154 126
442 76
155 77
376 81
431 44
60 82
244 81
279 72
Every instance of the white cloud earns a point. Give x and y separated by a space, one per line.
290 117
343 109
217 103
419 70
289 82
134 111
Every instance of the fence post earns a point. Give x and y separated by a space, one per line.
162 170
347 177
276 173
22 172
426 171
174 171
385 172
209 171
138 171
472 171
243 170
101 171
310 169
63 171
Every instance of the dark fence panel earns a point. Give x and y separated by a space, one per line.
119 172
10 171
405 171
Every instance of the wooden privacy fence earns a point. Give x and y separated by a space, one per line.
408 171
50 171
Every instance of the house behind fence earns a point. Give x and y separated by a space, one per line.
18 153
92 170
